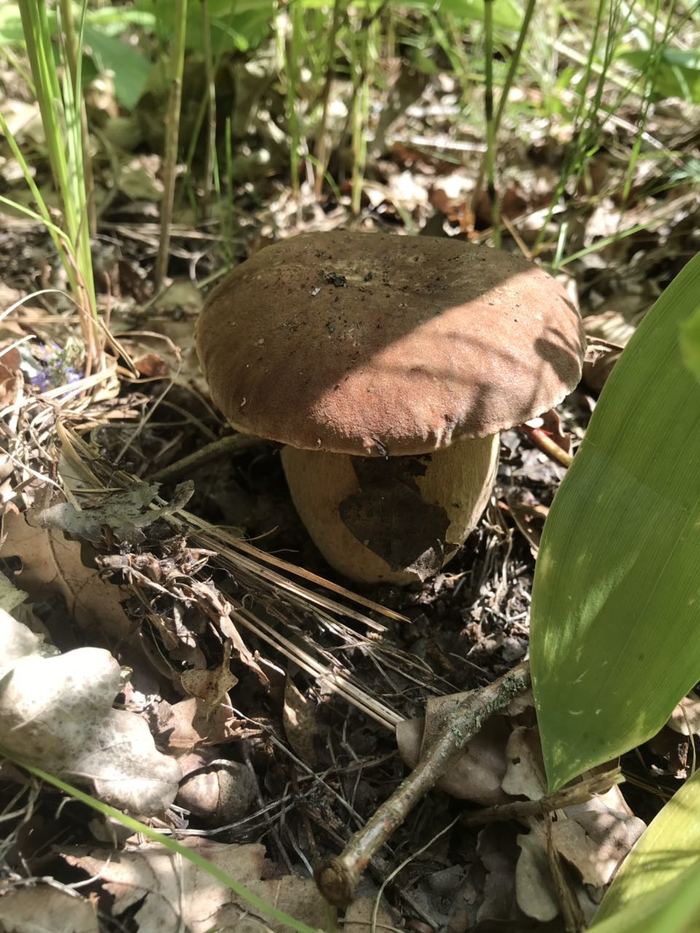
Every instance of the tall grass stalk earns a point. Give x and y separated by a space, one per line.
60 103
507 85
172 136
210 68
361 61
587 120
490 156
72 45
656 47
292 48
321 148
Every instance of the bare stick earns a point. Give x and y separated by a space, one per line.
545 443
230 445
524 810
338 877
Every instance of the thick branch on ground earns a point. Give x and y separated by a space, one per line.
338 877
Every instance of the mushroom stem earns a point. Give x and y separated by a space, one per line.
392 520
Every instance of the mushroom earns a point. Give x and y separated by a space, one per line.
387 365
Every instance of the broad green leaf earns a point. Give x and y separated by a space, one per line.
658 887
235 24
677 73
616 599
507 14
690 343
129 66
111 21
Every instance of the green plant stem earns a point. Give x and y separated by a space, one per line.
510 77
647 97
587 119
292 52
322 133
490 155
172 136
60 116
360 109
211 105
72 47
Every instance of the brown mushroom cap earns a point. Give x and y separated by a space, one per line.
369 344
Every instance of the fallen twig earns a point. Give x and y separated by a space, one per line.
545 443
338 877
525 810
228 446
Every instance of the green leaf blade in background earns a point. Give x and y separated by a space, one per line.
129 65
615 632
657 889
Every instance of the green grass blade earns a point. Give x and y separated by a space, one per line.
658 887
253 900
616 598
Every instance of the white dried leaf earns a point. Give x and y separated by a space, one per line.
174 894
17 641
10 596
534 888
524 775
685 718
56 712
46 909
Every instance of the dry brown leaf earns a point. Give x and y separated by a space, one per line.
219 793
125 513
498 853
300 722
685 718
11 378
597 835
189 724
172 893
358 917
211 686
43 908
524 775
534 888
52 567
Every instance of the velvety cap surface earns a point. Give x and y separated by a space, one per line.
365 343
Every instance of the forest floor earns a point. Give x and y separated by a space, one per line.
185 571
